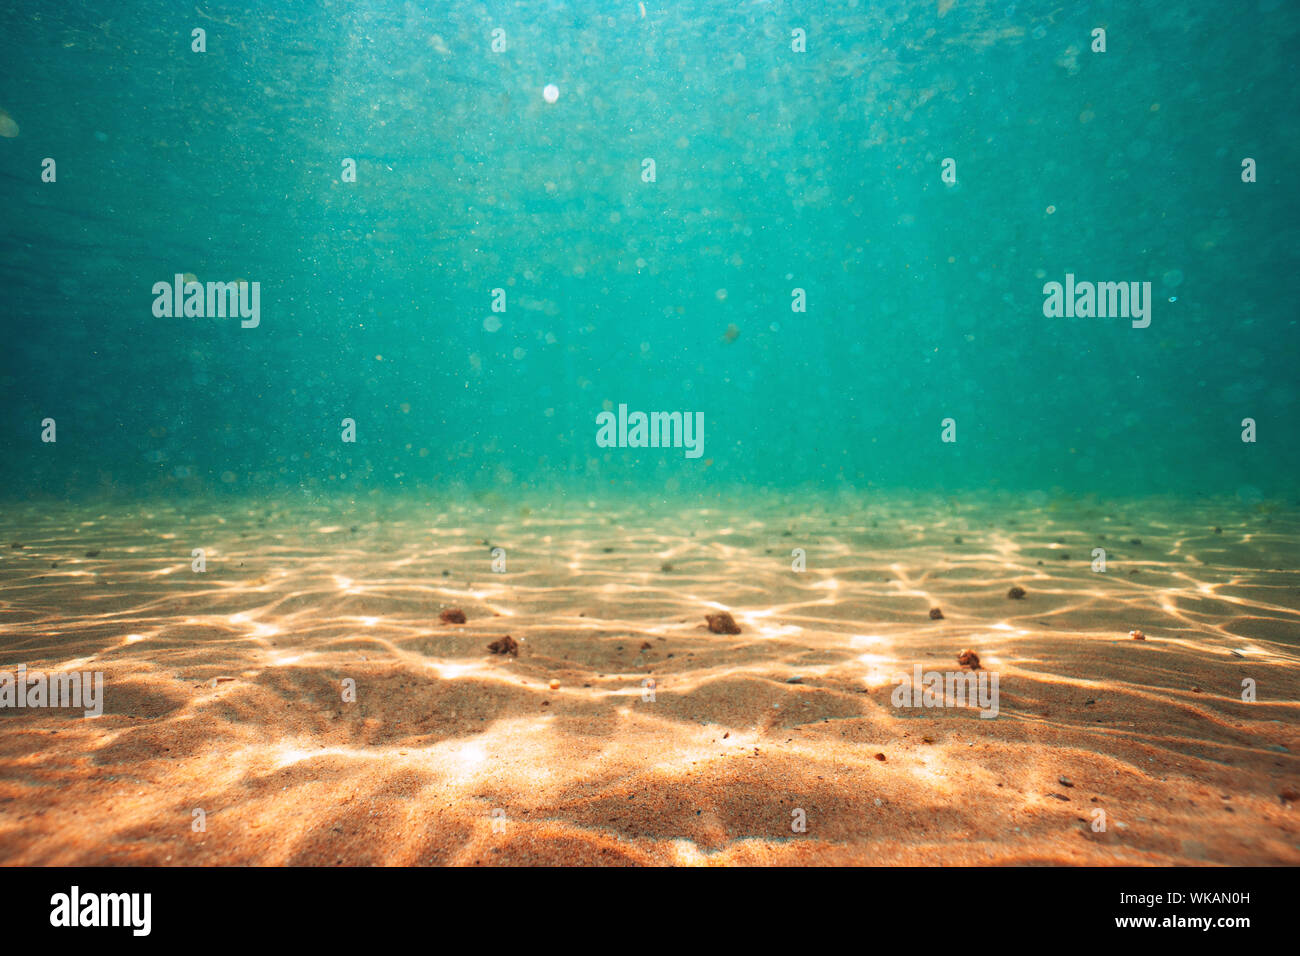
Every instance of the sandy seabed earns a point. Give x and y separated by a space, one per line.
224 690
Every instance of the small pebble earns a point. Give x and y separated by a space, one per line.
1016 593
1137 635
936 614
554 684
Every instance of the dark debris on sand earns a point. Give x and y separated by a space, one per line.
452 615
722 623
1017 593
505 645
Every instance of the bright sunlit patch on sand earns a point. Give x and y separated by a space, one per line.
880 669
287 755
876 660
687 853
68 666
132 638
779 630
755 620
926 769
867 640
452 671
469 756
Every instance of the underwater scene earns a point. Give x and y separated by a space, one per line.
560 432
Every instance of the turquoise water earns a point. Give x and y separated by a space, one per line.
774 170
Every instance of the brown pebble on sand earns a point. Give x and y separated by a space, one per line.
646 645
880 756
722 623
1137 635
452 615
1017 593
666 566
969 658
505 645
936 614
1290 795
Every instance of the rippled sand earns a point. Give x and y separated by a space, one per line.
452 755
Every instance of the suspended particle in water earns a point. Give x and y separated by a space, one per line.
551 93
